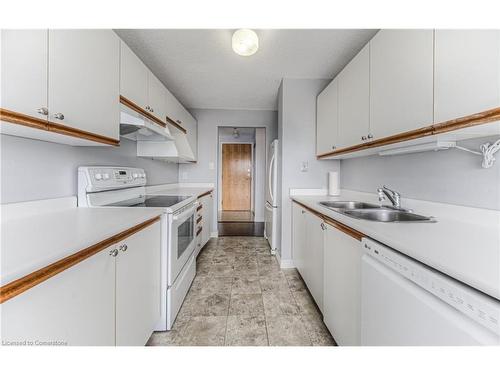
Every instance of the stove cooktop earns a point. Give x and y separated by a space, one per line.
152 201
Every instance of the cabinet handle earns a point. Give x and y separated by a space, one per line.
334 147
59 116
363 138
113 252
151 109
178 121
43 111
124 247
148 108
303 212
323 226
370 136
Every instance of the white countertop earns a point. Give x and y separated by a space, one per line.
31 242
464 243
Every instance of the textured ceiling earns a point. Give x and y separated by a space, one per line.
201 70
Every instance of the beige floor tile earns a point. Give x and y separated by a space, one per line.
274 283
245 285
279 303
206 305
203 331
318 332
246 331
306 303
211 285
169 338
287 331
246 304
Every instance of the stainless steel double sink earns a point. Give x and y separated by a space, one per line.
373 212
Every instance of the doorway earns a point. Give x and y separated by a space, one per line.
241 160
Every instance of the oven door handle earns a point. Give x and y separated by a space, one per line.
184 215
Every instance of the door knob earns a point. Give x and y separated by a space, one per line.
43 111
113 252
59 116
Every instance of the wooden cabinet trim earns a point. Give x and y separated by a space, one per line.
175 124
199 219
199 231
136 108
36 123
205 194
334 223
199 207
476 119
27 282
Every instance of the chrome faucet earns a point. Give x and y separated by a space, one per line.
393 196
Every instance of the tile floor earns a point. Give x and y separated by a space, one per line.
231 216
240 296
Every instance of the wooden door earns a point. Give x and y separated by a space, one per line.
236 177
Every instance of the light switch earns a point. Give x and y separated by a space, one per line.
304 166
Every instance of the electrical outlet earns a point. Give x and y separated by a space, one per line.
211 165
304 166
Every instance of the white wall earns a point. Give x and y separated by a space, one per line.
451 176
260 173
297 131
208 121
32 169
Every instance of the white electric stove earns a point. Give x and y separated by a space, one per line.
116 187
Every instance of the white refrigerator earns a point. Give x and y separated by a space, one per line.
272 209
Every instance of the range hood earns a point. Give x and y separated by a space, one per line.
136 127
177 151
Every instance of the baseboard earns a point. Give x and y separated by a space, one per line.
214 234
287 263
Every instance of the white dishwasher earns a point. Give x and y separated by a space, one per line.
404 302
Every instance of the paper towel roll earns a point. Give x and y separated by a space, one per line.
333 183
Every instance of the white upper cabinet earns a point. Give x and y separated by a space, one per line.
24 72
327 122
401 81
84 80
157 98
133 77
467 72
354 100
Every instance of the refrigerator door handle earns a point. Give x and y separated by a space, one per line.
271 187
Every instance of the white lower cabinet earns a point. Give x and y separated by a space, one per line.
75 307
204 221
138 286
342 286
308 250
103 300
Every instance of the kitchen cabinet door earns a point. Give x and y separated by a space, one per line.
84 72
207 202
298 237
467 72
327 118
189 123
313 255
24 72
75 307
354 100
401 81
133 77
157 98
138 286
342 286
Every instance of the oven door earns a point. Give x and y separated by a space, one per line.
181 242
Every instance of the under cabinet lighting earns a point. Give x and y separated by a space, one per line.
433 146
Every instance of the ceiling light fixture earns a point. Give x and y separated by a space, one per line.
245 42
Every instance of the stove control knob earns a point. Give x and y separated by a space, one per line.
135 175
105 176
98 176
144 175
